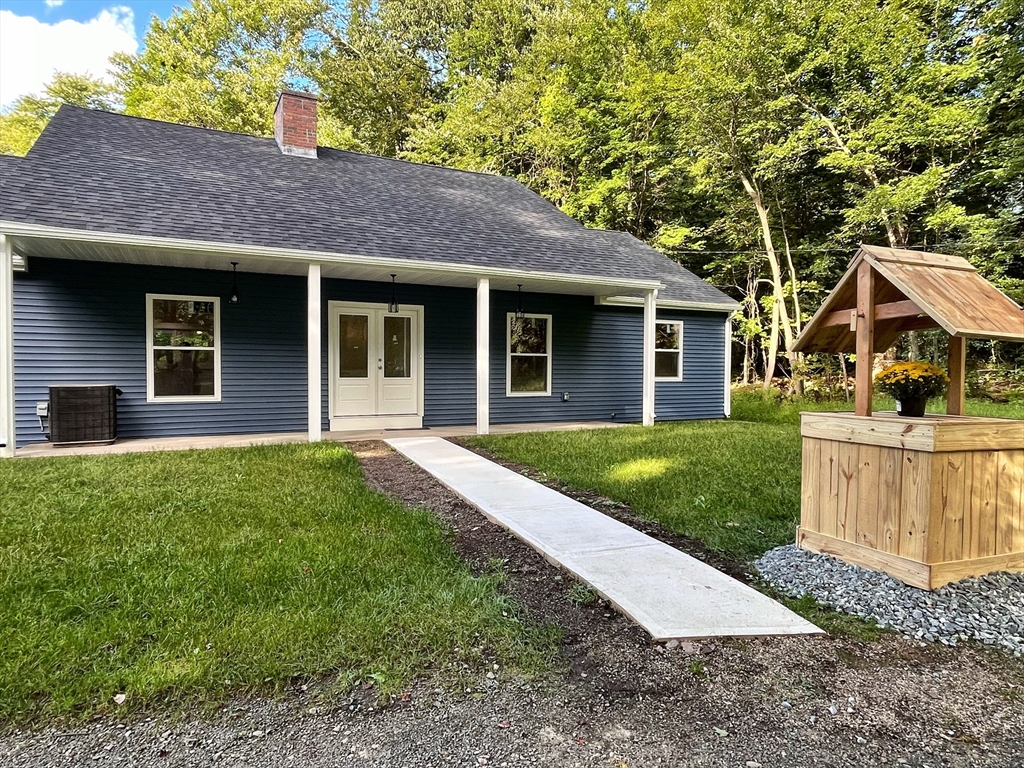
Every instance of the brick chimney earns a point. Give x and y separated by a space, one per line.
295 123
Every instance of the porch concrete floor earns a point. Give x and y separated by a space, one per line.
133 445
670 594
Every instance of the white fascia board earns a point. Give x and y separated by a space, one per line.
636 301
207 247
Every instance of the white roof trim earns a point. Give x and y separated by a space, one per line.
325 257
636 301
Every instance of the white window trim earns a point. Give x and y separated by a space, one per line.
679 371
508 356
150 396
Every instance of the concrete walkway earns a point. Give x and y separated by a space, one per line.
668 593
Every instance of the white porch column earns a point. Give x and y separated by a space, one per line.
650 314
483 356
728 366
314 374
7 431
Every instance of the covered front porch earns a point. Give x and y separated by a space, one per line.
79 309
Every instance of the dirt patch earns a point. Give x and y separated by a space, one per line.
590 628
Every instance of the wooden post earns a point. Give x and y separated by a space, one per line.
957 375
865 337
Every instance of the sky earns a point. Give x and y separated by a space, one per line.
39 37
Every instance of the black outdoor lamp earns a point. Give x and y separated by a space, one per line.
519 310
233 298
393 304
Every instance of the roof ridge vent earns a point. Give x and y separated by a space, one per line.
295 123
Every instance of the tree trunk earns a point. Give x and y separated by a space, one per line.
751 308
796 359
780 314
773 346
846 376
915 348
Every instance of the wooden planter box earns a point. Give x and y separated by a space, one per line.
929 500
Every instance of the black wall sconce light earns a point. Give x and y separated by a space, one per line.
519 309
234 298
393 304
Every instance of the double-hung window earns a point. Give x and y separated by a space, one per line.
668 350
182 348
528 366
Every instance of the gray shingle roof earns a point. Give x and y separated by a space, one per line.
99 171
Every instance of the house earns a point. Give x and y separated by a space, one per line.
229 284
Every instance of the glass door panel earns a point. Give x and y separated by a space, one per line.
354 347
397 347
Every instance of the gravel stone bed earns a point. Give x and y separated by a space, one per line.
989 609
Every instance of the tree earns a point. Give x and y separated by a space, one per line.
21 125
734 116
381 66
221 63
890 97
564 97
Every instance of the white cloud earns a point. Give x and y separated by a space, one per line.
54 3
31 50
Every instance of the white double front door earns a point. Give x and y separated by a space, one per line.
376 366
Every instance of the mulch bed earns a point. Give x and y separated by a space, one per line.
539 587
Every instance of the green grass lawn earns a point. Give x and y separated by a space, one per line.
733 484
185 576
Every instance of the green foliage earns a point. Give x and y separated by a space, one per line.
26 118
221 63
191 576
582 595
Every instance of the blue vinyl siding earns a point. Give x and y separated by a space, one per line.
82 322
701 393
596 358
85 322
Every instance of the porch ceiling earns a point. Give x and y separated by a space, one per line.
440 274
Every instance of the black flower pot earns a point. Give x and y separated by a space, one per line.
911 406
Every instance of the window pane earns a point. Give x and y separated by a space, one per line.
529 374
666 364
529 335
182 323
666 336
183 372
397 344
354 363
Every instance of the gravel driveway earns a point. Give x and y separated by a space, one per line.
618 700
